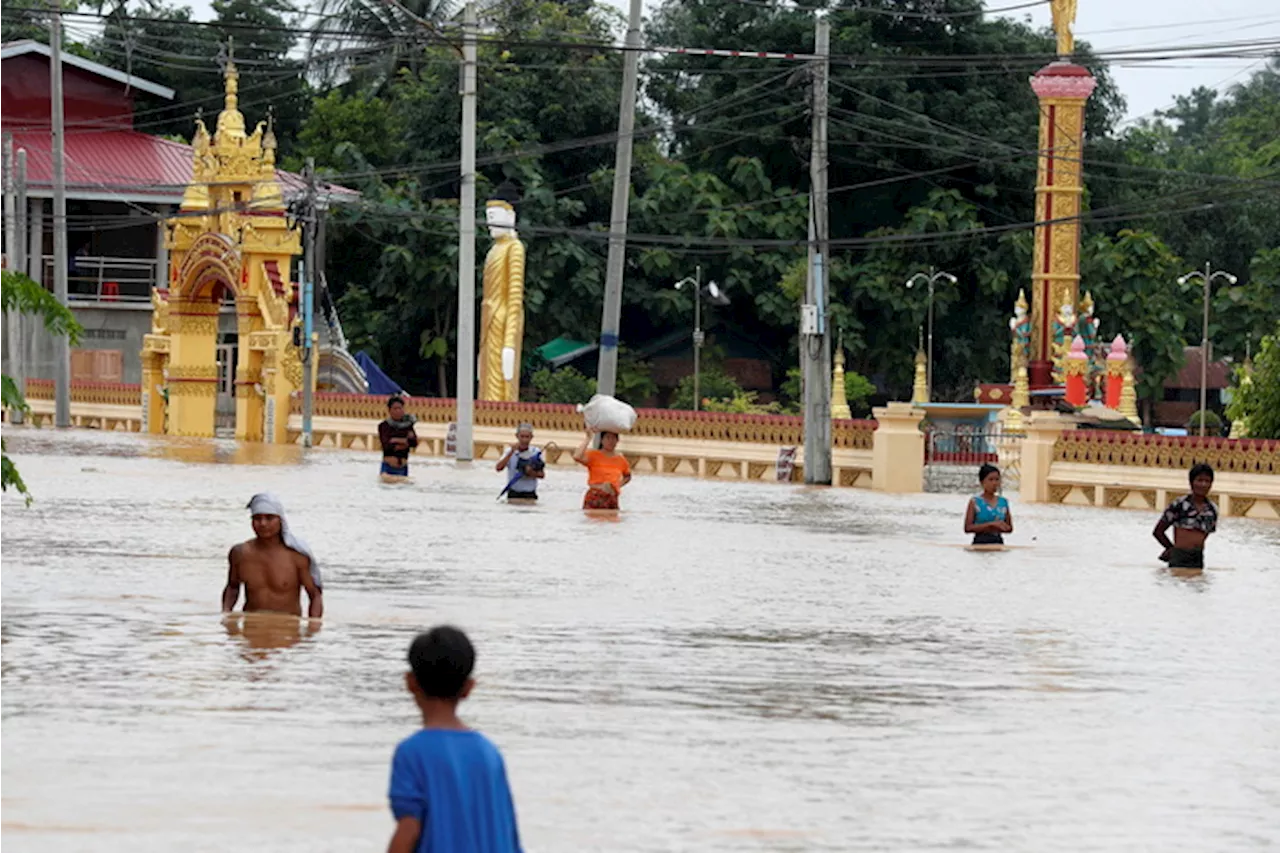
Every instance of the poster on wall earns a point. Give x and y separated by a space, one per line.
786 463
451 441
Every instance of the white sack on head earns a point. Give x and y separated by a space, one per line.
608 414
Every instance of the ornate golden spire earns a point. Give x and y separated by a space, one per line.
266 192
920 389
196 195
230 121
839 400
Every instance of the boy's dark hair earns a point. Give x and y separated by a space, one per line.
1200 468
442 660
395 398
987 470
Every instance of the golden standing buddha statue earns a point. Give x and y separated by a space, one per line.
502 312
1064 21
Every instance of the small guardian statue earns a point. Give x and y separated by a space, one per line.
1020 329
1064 329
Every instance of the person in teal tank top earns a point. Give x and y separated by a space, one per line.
988 517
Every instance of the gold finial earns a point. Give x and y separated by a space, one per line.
196 195
269 141
1022 300
230 121
1064 20
839 400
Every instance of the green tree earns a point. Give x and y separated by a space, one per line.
21 295
164 44
1133 278
1256 399
713 384
565 385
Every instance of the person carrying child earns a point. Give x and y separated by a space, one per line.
449 791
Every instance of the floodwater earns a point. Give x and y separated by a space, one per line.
727 667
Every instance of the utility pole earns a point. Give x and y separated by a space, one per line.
466 393
607 376
18 262
12 261
309 273
61 345
815 343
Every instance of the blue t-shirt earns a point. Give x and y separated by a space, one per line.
455 783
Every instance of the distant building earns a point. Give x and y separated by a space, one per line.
1181 397
121 186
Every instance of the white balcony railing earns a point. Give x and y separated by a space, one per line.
96 279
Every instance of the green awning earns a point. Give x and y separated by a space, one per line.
562 350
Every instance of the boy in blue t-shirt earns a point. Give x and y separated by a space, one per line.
449 790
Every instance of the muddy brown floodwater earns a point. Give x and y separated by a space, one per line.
727 667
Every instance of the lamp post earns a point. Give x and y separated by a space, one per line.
931 278
1206 278
720 299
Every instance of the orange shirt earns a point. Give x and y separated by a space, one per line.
603 468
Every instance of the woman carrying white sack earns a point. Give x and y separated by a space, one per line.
607 470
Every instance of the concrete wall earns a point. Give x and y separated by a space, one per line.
109 327
106 327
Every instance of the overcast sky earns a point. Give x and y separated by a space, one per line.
1114 24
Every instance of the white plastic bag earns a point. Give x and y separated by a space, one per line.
608 414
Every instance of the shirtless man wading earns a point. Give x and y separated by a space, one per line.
274 567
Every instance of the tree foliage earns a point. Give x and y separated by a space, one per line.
933 151
166 47
1256 399
22 295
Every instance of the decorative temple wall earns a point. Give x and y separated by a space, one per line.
1059 464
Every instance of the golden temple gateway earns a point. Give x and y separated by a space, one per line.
231 240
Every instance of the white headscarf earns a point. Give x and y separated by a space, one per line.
265 503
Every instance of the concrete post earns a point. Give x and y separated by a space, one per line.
1043 430
897 452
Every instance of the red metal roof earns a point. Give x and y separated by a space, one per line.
125 163
1218 374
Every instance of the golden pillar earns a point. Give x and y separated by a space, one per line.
1063 88
154 390
193 369
502 312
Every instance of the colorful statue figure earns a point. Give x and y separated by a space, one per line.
1064 21
502 313
1087 329
1064 329
1020 327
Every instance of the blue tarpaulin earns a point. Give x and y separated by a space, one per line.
379 382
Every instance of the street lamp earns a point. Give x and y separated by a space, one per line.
717 298
931 278
1206 278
